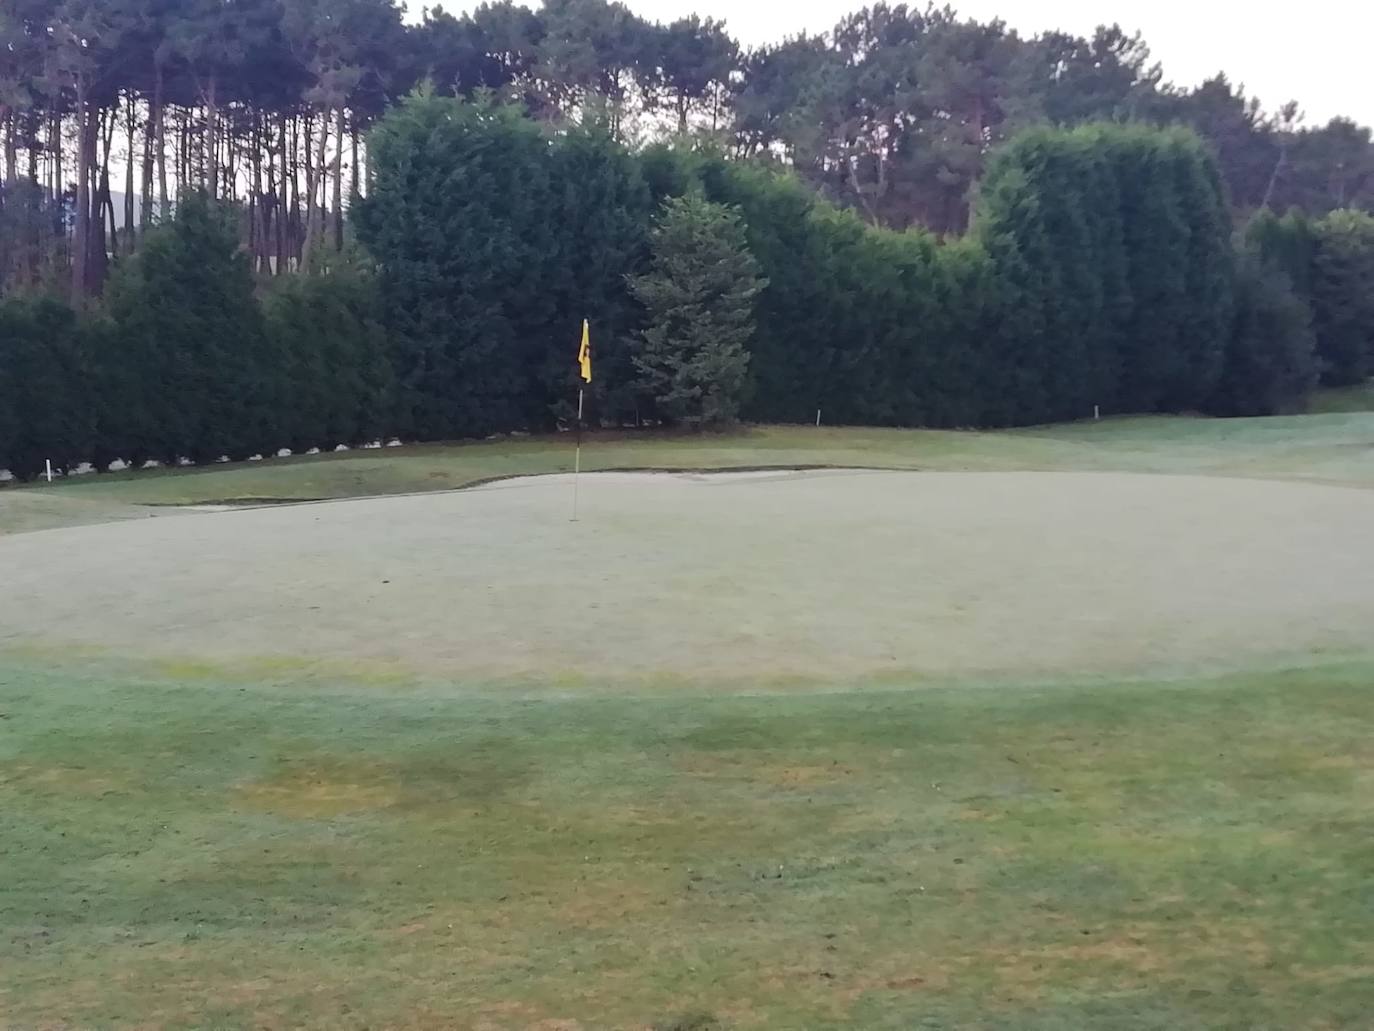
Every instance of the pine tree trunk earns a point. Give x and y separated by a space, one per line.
294 219
55 141
160 147
281 202
269 200
105 237
313 168
338 180
353 166
11 151
256 229
231 167
149 142
212 137
82 228
129 180
182 161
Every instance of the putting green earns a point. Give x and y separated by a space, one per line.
736 577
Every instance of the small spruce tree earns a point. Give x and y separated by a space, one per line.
698 297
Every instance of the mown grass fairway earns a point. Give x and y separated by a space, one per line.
212 853
1335 448
813 750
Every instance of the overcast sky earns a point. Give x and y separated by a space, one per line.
1320 52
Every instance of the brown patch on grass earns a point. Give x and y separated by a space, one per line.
901 976
973 814
60 779
805 776
1143 951
1334 975
607 905
901 984
748 767
1122 950
508 1013
1023 971
1355 763
322 790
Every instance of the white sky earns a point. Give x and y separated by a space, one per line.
1320 52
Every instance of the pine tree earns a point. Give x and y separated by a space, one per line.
189 363
1208 295
324 327
458 217
1288 244
698 298
1342 298
1270 361
1114 251
45 411
600 219
9 414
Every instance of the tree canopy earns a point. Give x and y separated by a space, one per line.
110 108
231 226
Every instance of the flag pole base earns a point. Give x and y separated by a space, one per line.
577 461
577 476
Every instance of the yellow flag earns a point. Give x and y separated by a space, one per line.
584 353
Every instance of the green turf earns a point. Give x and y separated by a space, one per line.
1344 399
198 852
179 848
1332 448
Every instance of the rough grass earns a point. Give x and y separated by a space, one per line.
270 853
1332 448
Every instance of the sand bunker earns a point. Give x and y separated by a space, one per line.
821 574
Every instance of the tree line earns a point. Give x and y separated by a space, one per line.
1101 272
109 109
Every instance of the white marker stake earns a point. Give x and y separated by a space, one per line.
818 416
1097 412
48 462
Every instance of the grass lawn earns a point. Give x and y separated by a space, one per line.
216 853
193 842
1332 448
1344 399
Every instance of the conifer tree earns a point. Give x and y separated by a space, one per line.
1270 361
1342 297
190 361
45 410
457 216
1288 244
600 216
324 327
1113 248
698 297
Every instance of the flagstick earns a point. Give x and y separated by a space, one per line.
577 464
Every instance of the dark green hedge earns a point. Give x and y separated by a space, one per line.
1100 273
